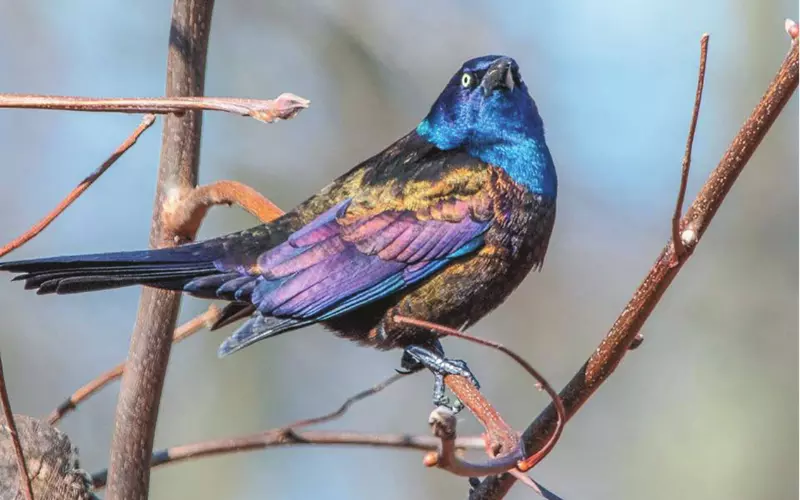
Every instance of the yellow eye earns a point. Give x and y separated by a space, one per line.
466 80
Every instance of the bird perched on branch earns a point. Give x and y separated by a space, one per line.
441 226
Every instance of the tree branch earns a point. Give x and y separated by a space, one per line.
283 107
289 435
282 437
445 446
34 231
24 479
143 378
697 219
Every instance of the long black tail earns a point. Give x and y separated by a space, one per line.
169 268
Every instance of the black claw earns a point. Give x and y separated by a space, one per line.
416 357
409 364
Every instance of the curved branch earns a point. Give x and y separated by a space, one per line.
188 209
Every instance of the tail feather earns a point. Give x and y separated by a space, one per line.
166 268
232 313
257 328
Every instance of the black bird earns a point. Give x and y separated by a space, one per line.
441 226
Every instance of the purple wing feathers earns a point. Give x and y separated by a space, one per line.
336 263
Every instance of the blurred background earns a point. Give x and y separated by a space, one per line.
706 408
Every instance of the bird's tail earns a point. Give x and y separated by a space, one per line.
169 268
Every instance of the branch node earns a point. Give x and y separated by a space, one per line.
637 341
791 28
443 423
284 107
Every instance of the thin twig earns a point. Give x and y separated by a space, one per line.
194 325
31 233
24 480
687 157
346 405
278 437
283 107
695 222
527 461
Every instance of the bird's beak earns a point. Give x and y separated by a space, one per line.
499 75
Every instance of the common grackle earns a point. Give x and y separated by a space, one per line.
442 225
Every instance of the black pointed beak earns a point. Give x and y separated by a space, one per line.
499 75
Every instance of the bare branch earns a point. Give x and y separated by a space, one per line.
143 377
31 233
697 219
279 437
289 435
283 107
24 479
194 325
687 157
791 28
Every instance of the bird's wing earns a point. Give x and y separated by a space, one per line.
343 260
387 237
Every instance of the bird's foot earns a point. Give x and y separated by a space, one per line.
417 357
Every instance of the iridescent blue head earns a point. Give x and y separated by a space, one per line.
486 109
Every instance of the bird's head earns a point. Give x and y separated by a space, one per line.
487 110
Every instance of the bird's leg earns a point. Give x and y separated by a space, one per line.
431 356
